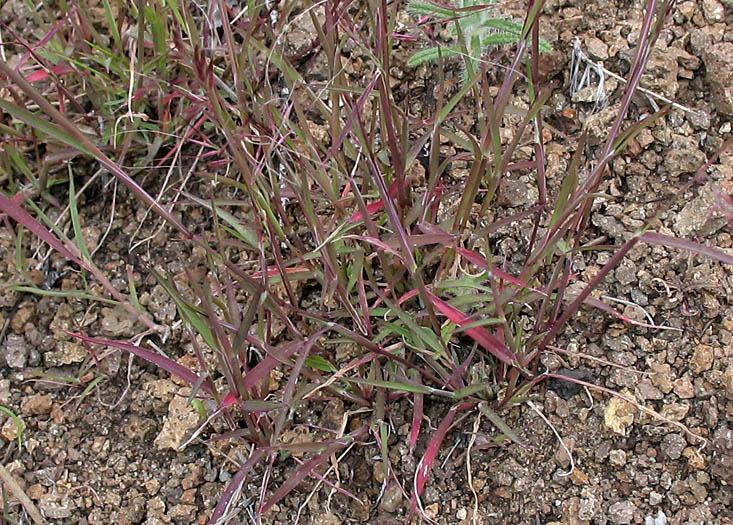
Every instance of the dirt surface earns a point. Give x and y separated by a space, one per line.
106 453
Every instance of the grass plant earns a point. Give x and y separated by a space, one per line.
321 232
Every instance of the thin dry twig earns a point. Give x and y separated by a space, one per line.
476 425
17 491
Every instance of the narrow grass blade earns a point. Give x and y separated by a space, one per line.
234 486
684 244
158 360
479 334
426 463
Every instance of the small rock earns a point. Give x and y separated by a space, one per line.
683 156
622 512
646 390
21 317
617 458
117 322
182 419
326 519
432 511
722 455
152 486
655 498
700 214
561 457
14 351
36 405
597 49
661 71
713 11
662 377
56 507
672 445
380 472
4 391
718 60
675 411
567 389
66 353
590 504
599 124
578 477
661 519
619 415
570 511
392 498
163 389
702 359
10 430
684 389
183 511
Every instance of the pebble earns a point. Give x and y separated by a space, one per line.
617 458
117 322
56 507
675 411
21 317
182 419
673 445
684 156
622 512
648 391
661 519
718 60
619 415
702 359
661 377
713 10
66 353
15 351
655 498
10 430
36 405
722 457
684 389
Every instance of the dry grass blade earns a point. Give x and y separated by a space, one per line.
18 492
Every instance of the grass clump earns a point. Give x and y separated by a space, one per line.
337 252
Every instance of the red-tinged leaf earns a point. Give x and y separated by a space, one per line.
437 234
426 239
302 472
264 367
378 243
233 487
42 74
426 463
596 303
274 271
417 412
479 261
684 244
478 333
14 210
374 207
406 297
229 400
158 360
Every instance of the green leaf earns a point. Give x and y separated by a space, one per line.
320 363
43 125
499 422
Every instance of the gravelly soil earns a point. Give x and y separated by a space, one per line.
105 456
